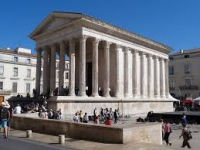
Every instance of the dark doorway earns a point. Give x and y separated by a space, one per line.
89 78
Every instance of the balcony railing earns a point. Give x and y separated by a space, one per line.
192 87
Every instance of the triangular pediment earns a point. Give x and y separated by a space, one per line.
53 21
57 22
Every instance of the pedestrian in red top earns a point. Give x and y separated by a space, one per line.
108 121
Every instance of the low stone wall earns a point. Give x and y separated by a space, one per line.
150 133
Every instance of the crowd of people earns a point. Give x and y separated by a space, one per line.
102 116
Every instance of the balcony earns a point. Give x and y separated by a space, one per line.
192 87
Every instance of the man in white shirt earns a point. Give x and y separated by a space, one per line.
17 109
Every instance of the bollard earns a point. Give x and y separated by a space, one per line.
61 139
29 133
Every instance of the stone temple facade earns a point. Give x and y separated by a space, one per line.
109 67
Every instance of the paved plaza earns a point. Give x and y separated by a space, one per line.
88 145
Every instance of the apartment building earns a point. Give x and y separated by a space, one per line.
184 74
18 72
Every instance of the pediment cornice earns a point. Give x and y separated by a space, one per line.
59 20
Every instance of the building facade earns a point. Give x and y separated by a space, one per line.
184 74
18 72
131 71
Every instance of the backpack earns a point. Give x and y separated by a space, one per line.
188 135
4 113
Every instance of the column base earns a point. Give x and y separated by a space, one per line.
95 95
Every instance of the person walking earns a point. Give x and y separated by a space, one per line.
4 117
115 116
184 134
184 119
168 131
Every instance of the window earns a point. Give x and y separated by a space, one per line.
28 87
171 58
28 73
187 83
15 59
57 65
1 86
1 70
67 75
171 84
171 70
15 72
67 66
187 68
28 60
14 87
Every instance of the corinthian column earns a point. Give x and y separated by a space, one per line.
117 87
72 68
45 79
127 70
61 64
162 78
95 68
107 69
150 79
82 66
157 77
53 69
38 71
166 78
136 73
143 75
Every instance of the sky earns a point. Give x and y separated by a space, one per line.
175 23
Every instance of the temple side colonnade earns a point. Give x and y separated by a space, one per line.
142 75
109 67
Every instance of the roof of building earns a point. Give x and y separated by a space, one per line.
148 42
15 52
183 52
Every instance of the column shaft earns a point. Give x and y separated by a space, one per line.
95 68
143 75
107 69
117 90
38 71
162 78
82 66
72 68
61 64
53 69
166 78
45 57
136 73
157 78
150 77
127 77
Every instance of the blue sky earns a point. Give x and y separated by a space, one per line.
175 23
